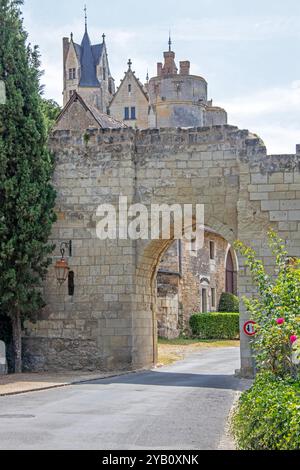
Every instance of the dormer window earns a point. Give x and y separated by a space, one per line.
212 250
72 74
133 113
129 113
126 113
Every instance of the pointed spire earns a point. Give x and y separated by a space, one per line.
170 42
85 17
103 37
147 76
72 37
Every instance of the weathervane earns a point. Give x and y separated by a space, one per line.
170 41
85 17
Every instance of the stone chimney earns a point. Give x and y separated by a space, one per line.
185 67
298 150
66 45
159 69
169 67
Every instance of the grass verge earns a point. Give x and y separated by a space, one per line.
171 351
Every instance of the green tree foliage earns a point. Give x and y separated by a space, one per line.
26 195
51 111
276 308
229 303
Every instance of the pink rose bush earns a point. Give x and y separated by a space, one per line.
276 308
293 339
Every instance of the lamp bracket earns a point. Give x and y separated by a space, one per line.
66 246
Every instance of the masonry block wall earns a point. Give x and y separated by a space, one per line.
93 328
110 322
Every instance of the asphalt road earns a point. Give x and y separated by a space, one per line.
180 407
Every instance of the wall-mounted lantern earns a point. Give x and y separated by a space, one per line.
61 267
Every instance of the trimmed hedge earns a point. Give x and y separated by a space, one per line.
268 416
229 303
218 325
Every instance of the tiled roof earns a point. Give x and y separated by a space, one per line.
89 57
77 50
97 52
88 77
104 121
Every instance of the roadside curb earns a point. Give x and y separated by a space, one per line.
69 384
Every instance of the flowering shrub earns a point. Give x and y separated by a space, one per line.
276 308
268 416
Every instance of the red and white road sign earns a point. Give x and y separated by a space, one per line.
250 328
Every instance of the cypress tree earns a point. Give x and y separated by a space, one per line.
26 196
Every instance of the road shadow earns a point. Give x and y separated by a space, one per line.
174 379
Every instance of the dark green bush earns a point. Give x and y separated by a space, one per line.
268 415
215 325
229 303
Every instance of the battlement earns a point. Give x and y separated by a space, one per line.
155 143
153 140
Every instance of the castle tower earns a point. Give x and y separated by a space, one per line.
180 99
86 71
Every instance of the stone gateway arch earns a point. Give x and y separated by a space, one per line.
110 320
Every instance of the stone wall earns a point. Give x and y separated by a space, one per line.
214 116
92 329
110 322
167 316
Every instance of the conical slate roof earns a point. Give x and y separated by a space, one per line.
88 61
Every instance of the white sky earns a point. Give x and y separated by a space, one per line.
248 51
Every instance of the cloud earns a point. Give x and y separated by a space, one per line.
273 113
279 100
238 28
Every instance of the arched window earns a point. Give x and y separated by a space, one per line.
204 301
230 274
